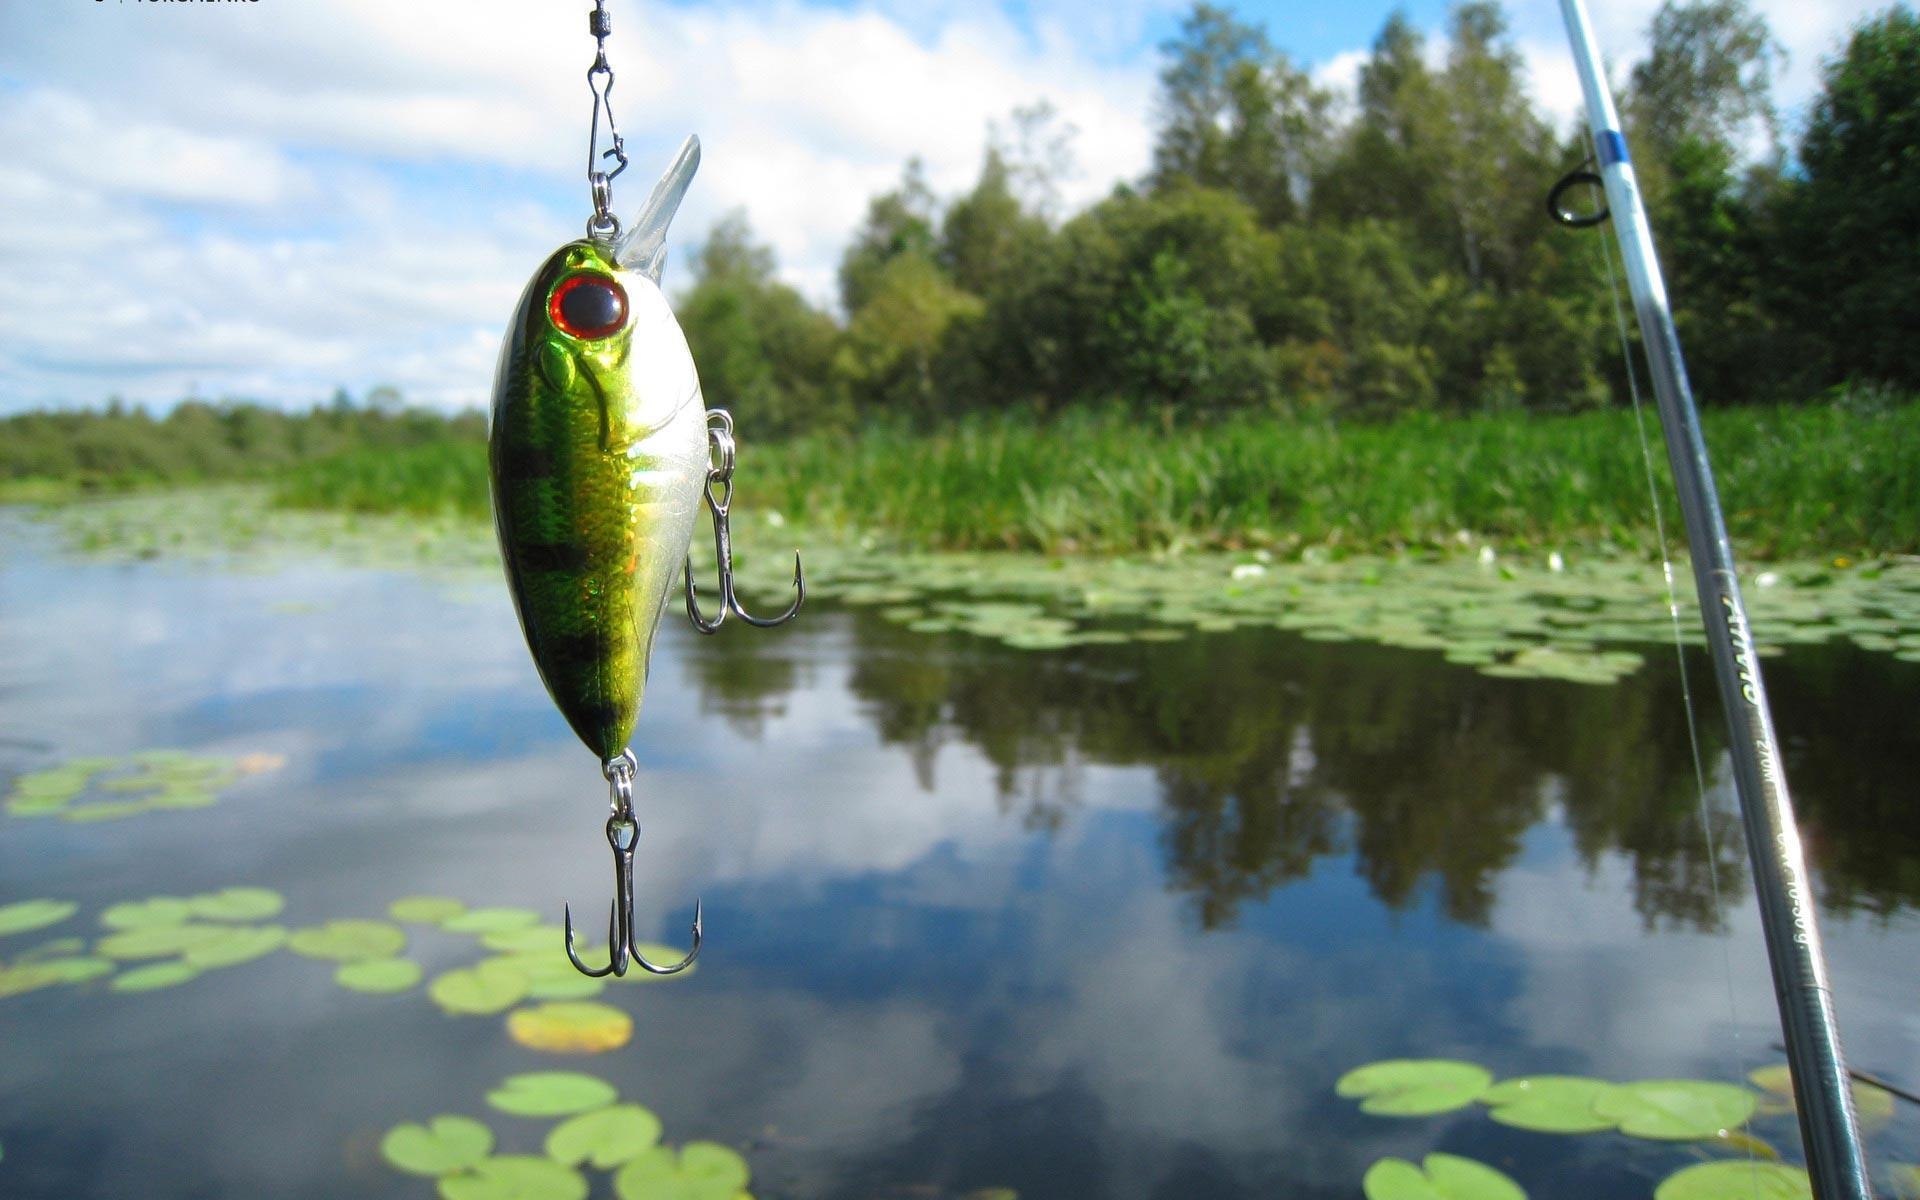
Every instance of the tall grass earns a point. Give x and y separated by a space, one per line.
1814 480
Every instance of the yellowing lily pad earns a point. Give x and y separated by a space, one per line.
571 1027
1873 1106
1736 1179
426 910
54 972
1547 1103
153 976
237 904
528 938
1679 1110
605 1137
1439 1177
551 1094
699 1171
444 1144
487 987
515 1177
378 976
28 915
1414 1087
349 940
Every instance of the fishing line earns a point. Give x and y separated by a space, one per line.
1679 638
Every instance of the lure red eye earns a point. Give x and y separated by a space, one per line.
588 306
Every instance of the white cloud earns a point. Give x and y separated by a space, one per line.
281 198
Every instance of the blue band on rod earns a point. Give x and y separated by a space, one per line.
1613 147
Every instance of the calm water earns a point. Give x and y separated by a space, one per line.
1107 922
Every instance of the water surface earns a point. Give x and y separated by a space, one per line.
1106 921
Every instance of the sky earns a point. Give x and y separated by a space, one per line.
272 199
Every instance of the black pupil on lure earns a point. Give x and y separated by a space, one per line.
590 308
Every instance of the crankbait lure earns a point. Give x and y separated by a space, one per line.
600 451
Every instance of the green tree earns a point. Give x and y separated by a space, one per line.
1235 115
763 352
1853 219
902 221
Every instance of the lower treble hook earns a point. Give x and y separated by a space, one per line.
623 833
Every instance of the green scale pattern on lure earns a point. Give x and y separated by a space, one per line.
597 457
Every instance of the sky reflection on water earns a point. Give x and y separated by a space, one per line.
1107 922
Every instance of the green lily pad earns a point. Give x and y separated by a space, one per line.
515 1177
1678 1110
349 940
444 1144
487 987
1439 1177
1736 1179
154 976
1547 1103
570 1027
233 946
237 904
1414 1087
378 976
700 1171
546 938
426 910
1906 1180
551 1094
605 1137
160 910
158 941
490 920
28 915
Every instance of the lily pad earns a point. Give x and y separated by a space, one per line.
1548 1103
237 904
1873 1106
28 915
545 938
1439 1177
1736 1179
488 987
160 910
233 946
378 976
444 1144
551 1094
349 940
158 941
426 910
1675 1110
490 920
515 1177
1414 1087
54 972
570 1027
700 1171
605 1137
154 976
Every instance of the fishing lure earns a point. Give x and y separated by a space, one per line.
600 451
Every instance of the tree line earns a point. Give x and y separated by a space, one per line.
1301 252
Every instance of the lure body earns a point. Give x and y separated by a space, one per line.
597 456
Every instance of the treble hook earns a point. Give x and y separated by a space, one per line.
720 446
623 833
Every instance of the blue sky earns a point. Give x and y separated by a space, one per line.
274 198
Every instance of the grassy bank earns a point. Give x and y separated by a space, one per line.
1812 481
1795 481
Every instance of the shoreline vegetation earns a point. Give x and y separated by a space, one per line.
1833 480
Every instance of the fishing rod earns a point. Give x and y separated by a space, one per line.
1835 1160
